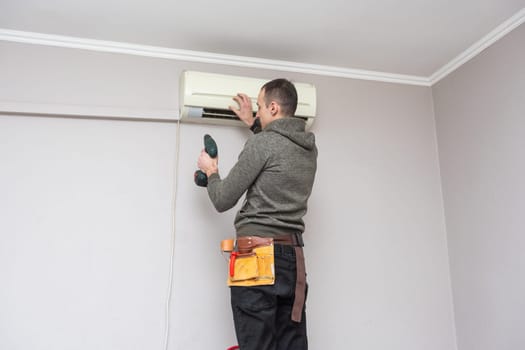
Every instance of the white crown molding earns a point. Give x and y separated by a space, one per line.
260 63
489 39
205 57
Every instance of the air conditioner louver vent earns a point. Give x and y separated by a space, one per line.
220 114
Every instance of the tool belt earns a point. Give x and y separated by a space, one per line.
252 264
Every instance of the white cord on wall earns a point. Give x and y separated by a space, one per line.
172 245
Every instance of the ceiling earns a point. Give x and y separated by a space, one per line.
409 37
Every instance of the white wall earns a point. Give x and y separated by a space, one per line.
480 116
85 231
377 258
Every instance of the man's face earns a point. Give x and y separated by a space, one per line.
264 112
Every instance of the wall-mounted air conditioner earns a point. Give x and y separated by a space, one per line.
205 97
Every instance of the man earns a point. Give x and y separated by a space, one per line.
276 169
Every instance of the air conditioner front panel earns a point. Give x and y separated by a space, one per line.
201 91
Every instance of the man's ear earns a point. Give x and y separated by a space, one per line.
274 108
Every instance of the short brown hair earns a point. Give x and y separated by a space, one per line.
284 93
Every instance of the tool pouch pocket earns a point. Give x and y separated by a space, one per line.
254 268
243 267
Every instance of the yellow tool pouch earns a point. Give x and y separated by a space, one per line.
252 269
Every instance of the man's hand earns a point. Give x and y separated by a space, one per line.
208 164
245 112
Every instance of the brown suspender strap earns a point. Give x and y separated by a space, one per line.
300 274
300 285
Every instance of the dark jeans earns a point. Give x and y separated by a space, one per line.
262 314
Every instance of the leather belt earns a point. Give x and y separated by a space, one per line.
246 243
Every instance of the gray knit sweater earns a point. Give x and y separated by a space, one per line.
276 169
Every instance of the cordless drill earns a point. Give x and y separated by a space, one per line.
211 148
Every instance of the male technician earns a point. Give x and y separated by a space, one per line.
276 169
